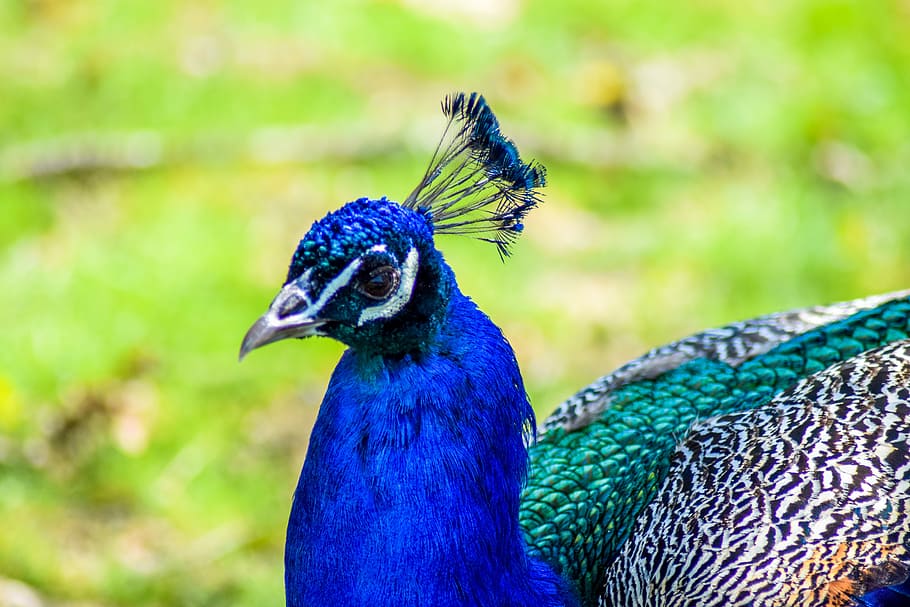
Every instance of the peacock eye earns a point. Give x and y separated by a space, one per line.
379 283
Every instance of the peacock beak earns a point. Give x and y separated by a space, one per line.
290 315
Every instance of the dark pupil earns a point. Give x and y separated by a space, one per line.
380 282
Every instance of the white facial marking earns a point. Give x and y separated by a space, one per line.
305 279
402 294
335 285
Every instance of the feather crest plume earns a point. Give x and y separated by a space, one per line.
476 183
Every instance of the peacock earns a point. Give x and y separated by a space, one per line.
762 463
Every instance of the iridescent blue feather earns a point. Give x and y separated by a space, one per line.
891 596
476 183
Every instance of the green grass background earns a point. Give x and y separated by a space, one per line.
708 161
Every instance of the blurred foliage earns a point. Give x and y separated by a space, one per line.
708 161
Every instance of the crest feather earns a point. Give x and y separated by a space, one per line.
476 182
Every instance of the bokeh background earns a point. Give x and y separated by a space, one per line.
708 161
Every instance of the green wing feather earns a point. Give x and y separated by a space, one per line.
586 487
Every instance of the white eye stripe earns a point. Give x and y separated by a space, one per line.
402 294
305 279
343 278
384 310
335 285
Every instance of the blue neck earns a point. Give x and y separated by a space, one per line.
410 490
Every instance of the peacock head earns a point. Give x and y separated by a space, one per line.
369 274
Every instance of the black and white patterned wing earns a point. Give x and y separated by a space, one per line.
732 344
805 501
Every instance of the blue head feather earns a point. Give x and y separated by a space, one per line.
348 232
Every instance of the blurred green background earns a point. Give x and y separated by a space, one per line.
708 161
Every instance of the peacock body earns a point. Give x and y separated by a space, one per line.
423 483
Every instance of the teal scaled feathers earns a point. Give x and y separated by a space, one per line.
420 487
587 487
